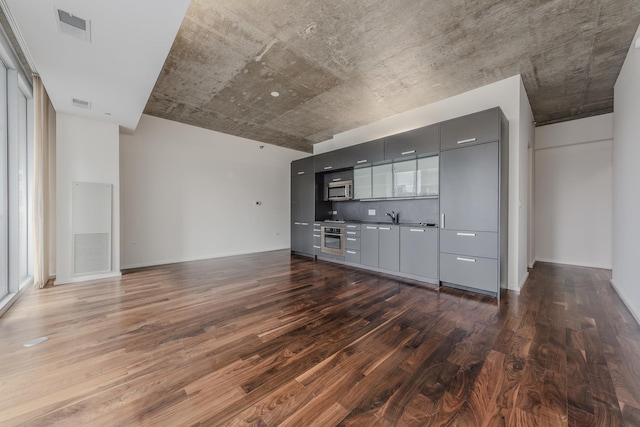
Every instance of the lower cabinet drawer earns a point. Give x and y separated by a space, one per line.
472 272
352 243
353 256
476 243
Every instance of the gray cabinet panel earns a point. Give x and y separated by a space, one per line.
469 188
472 129
330 161
302 166
419 251
352 243
369 246
471 272
413 143
475 243
352 256
365 154
303 197
302 237
389 248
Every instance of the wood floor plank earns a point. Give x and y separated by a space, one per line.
274 339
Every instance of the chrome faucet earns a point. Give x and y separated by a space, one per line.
395 216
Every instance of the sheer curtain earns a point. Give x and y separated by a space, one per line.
43 200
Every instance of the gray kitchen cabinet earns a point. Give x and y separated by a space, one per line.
302 237
382 181
303 197
303 166
389 247
471 272
352 256
329 161
469 188
477 128
369 245
364 154
419 252
413 143
474 202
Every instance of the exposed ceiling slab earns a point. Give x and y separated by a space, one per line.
340 65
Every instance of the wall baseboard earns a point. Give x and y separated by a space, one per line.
198 258
524 280
532 263
577 264
635 314
89 278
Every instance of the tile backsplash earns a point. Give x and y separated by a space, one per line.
411 211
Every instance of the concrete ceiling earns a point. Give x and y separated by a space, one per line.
339 65
116 71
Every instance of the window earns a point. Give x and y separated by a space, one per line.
24 193
4 186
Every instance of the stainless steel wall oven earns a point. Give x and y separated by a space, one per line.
332 240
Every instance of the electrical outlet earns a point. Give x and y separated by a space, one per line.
372 212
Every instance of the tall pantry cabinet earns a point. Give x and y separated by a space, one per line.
474 202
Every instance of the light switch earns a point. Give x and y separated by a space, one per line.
372 212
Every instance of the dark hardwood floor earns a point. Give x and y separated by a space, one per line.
271 339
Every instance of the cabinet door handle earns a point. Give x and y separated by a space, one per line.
317 247
336 179
316 225
351 239
300 173
372 228
464 141
296 223
417 230
384 228
442 220
466 234
351 226
404 153
359 162
465 259
304 223
316 235
351 232
327 168
351 252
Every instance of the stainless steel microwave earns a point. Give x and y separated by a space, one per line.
340 190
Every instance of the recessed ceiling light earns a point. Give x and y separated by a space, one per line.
275 94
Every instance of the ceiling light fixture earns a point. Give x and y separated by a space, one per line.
275 94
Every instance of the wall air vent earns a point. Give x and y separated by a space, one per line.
73 25
81 103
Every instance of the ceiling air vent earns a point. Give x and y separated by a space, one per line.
73 25
81 103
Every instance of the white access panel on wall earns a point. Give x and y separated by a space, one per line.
91 227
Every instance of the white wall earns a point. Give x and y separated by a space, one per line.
573 192
189 193
626 180
86 151
506 94
525 140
